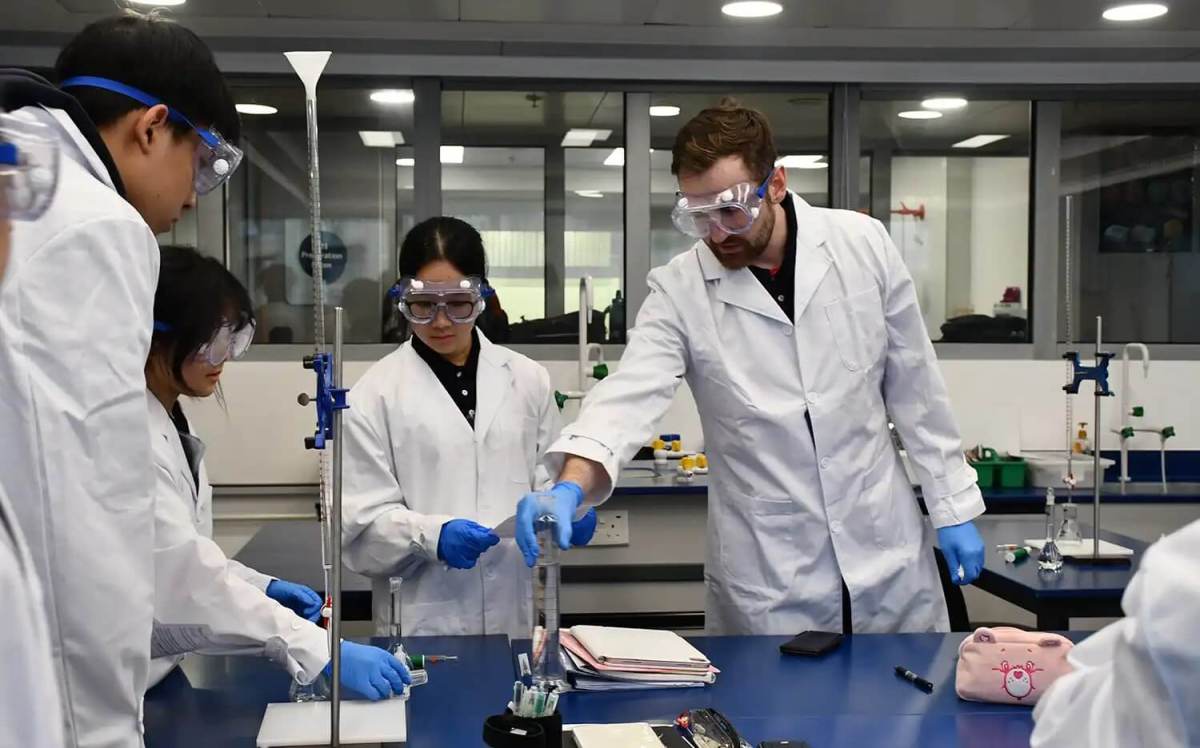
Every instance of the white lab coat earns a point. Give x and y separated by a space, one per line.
1137 683
412 463
204 601
787 518
75 321
31 710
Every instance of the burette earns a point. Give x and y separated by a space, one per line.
1069 478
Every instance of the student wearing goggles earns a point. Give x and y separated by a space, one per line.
460 300
447 403
216 159
31 710
234 604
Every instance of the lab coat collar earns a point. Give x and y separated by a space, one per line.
740 288
492 382
84 152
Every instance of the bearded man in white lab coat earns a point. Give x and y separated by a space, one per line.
798 332
137 141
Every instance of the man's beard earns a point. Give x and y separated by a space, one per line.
738 251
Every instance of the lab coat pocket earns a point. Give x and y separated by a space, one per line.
757 538
858 328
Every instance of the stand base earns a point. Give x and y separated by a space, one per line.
307 724
1081 550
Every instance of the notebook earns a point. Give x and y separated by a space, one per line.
620 646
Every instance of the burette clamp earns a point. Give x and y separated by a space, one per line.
328 399
1097 373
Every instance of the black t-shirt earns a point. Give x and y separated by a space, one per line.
459 381
781 282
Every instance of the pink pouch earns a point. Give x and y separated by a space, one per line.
1009 666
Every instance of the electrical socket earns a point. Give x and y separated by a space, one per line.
612 528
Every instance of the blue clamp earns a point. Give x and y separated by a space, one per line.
328 399
1097 373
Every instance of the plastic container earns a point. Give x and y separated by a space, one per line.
1048 469
994 471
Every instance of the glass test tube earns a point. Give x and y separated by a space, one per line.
547 663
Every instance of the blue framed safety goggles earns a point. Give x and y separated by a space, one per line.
216 158
29 157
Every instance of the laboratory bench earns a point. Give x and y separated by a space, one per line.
1080 589
847 698
220 700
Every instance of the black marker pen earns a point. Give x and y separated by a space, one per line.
914 679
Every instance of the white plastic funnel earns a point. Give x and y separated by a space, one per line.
309 66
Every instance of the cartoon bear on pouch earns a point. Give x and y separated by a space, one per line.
1018 679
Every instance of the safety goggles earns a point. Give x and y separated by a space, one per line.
28 168
419 301
216 158
229 343
732 210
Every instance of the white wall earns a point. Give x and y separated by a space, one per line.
999 230
916 181
1007 404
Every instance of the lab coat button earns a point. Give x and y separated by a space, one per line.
824 463
835 526
812 398
787 331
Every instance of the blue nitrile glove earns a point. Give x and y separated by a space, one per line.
583 529
297 598
962 546
462 542
559 503
370 671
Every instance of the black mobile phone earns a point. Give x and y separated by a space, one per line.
811 643
784 744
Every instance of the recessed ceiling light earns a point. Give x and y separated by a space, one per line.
255 109
1135 12
664 110
589 193
393 96
752 9
405 161
158 3
920 114
802 161
616 158
581 137
944 103
451 154
979 141
381 138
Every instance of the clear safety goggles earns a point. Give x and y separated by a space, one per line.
732 210
229 343
28 168
216 158
419 301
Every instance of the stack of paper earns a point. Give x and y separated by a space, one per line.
604 658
